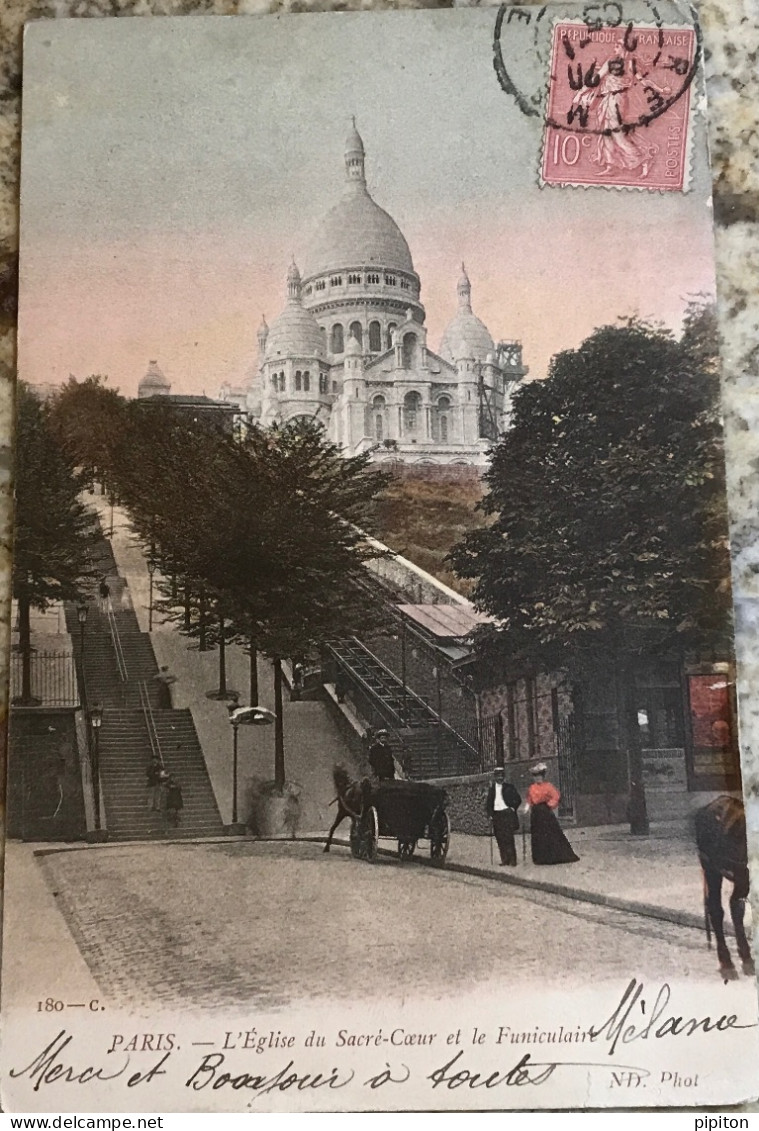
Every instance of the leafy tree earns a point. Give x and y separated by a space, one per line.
609 530
86 418
54 533
609 540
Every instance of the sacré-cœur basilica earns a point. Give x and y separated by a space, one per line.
350 346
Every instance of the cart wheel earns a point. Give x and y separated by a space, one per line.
369 834
355 839
406 849
440 836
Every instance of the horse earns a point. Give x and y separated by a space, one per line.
723 853
350 800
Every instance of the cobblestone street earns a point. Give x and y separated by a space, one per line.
267 923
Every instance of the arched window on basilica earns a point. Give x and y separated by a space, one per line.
441 420
409 351
323 383
375 337
391 334
378 418
281 382
412 407
337 344
357 331
297 380
306 382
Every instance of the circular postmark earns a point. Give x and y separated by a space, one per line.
598 72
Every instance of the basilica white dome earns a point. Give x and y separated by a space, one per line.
466 335
295 333
356 232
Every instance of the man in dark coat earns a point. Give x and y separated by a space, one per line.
502 803
381 757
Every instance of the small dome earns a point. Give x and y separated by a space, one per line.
154 383
295 333
466 335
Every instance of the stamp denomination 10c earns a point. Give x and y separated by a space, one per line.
618 106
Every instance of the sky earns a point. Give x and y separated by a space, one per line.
172 167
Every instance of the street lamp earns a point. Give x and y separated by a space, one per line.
244 716
96 721
81 615
151 571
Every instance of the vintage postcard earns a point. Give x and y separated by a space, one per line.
373 727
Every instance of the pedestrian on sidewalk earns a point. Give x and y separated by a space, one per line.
502 803
296 691
174 802
549 845
153 775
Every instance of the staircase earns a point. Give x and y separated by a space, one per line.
429 748
125 747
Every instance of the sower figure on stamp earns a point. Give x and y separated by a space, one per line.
503 800
616 147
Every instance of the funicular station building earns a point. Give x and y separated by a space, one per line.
452 718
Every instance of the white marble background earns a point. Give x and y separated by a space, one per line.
731 40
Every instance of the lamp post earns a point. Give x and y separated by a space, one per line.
151 571
96 721
81 615
243 716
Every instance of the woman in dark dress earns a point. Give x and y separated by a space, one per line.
549 845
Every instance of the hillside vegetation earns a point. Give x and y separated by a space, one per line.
423 520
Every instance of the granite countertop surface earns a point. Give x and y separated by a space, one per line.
731 50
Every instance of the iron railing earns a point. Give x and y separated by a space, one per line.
147 711
116 641
53 679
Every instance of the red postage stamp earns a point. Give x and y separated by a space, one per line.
618 106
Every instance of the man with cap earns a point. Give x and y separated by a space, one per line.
502 803
381 757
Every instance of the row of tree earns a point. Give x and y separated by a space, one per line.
54 533
257 538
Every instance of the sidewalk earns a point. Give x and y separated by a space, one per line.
657 876
35 934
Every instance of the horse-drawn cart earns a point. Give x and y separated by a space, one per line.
407 811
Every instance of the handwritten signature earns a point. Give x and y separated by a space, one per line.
636 1019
